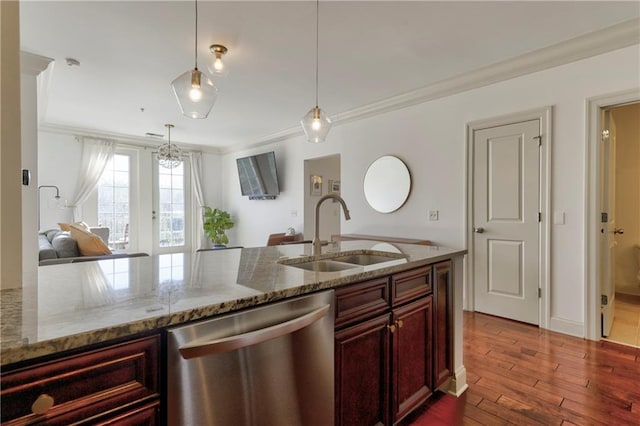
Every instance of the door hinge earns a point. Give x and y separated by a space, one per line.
605 135
539 139
604 217
539 216
539 292
604 300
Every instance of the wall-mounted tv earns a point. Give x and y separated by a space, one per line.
258 176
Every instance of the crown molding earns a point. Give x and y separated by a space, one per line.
33 64
598 42
123 138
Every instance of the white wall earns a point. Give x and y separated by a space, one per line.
256 219
627 120
58 164
430 139
330 210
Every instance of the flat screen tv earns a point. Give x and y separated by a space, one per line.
258 176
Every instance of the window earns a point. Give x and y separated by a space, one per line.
171 206
114 200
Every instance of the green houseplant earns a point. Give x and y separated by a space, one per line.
216 223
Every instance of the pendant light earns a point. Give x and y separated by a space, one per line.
217 68
194 90
169 156
316 123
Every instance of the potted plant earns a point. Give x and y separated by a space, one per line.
216 222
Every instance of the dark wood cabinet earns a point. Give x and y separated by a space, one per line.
386 347
93 387
362 373
412 373
443 331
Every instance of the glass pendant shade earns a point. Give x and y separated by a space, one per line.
316 125
195 93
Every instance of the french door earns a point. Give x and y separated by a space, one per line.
171 208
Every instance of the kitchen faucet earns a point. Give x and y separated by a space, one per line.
317 245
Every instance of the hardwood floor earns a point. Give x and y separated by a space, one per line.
520 374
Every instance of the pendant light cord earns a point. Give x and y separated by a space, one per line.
195 47
317 46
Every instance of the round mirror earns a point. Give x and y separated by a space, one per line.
387 184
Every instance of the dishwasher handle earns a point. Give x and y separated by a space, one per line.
226 344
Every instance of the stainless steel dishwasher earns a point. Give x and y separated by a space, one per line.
267 366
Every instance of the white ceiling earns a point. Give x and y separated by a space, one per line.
369 50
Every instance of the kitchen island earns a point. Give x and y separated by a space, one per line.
86 304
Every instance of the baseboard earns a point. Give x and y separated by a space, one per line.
457 384
566 326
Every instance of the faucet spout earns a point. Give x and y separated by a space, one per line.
317 246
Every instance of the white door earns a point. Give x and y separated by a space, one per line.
506 200
171 208
608 228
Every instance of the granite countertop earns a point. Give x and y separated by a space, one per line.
75 305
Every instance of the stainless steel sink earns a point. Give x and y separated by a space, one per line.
323 266
363 259
334 262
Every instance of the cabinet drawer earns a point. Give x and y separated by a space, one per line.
409 285
84 385
147 415
361 301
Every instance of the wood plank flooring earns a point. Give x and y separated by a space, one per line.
520 374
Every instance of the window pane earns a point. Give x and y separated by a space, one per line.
177 196
121 163
114 202
171 206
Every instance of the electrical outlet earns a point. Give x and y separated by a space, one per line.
294 213
433 214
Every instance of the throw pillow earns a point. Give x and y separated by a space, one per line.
89 244
67 226
51 233
65 245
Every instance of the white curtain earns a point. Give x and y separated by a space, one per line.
200 240
96 153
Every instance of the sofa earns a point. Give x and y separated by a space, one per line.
56 246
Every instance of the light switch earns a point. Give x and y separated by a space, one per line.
558 218
294 213
433 214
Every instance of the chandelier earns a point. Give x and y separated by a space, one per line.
169 156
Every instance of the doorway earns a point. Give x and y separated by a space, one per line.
620 223
603 292
322 177
508 227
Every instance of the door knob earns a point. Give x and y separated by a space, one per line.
478 230
618 231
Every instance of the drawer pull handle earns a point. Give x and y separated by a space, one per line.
391 328
42 404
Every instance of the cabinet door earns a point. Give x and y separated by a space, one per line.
362 373
442 329
412 376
